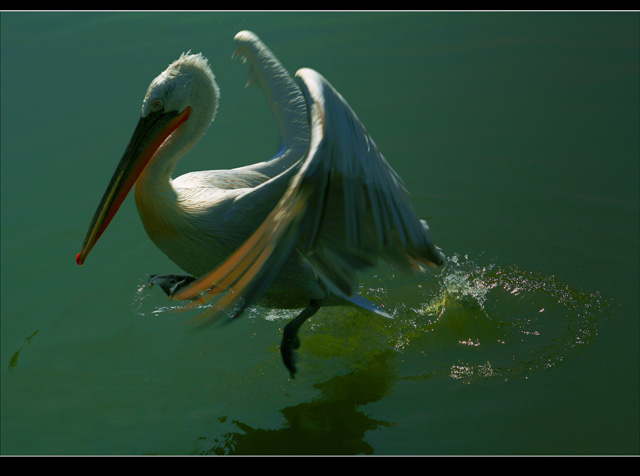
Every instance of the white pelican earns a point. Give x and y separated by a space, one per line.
289 232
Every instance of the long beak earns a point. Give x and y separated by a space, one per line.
151 131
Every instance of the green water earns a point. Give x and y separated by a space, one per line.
517 136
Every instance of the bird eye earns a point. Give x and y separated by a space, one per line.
156 104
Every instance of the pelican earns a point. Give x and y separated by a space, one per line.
290 232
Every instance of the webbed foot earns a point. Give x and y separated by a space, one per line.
170 283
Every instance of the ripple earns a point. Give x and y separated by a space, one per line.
467 321
149 301
145 301
493 321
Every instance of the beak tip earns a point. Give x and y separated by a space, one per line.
79 259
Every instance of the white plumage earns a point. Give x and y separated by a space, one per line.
292 231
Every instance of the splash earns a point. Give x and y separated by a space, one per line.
467 322
145 302
492 321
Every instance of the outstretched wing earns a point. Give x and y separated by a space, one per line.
343 210
284 98
359 210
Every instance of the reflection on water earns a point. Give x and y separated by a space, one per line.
331 423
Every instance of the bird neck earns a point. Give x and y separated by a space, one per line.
156 198
154 183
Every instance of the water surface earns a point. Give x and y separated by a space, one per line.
517 136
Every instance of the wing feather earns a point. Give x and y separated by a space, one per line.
344 208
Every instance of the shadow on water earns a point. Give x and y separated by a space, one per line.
331 423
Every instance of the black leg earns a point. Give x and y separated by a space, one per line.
290 339
170 283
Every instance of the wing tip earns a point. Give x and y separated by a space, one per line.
246 36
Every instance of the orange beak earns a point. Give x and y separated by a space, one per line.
151 131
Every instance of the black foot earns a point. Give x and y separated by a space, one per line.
290 339
170 283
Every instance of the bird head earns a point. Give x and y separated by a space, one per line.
177 109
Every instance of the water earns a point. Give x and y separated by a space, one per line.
517 136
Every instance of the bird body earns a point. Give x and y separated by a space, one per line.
288 232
